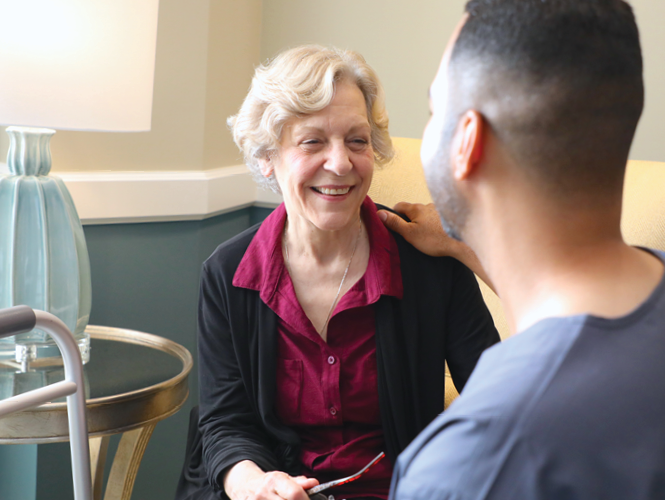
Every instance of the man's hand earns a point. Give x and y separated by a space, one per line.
246 481
426 233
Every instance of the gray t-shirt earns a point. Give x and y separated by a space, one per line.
572 408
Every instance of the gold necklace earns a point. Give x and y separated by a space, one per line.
346 271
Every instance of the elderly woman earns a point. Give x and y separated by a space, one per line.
322 336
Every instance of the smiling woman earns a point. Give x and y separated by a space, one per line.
322 335
324 164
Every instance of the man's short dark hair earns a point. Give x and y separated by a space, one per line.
560 82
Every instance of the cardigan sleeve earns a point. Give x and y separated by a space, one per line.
229 423
470 329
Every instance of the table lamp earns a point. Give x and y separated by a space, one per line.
73 65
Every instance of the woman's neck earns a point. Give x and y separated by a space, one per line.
304 240
323 265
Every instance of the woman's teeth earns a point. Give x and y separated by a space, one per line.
328 191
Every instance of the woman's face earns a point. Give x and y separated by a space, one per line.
325 161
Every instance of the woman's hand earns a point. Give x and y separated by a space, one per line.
246 481
426 233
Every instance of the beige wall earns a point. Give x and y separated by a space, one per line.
233 52
176 138
206 51
404 41
649 141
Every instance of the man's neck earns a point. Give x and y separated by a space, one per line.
545 265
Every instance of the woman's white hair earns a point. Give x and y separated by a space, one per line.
298 82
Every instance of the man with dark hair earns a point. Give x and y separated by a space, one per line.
534 109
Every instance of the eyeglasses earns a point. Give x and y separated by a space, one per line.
344 480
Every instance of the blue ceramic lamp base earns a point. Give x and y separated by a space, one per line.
44 260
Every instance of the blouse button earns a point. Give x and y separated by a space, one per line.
331 497
333 411
331 360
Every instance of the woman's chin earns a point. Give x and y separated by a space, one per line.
336 222
326 216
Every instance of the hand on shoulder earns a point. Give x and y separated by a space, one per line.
426 233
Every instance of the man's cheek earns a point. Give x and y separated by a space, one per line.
430 144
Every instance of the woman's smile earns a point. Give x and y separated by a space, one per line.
332 190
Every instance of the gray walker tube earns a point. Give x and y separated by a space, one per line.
21 319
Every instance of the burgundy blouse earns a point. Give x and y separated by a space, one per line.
328 392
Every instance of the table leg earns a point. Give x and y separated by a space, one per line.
98 448
126 463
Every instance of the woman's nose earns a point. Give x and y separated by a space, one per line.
338 160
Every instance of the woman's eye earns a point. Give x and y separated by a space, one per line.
359 143
311 142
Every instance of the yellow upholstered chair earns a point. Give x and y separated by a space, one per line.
404 180
643 221
643 217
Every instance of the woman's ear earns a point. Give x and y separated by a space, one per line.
266 166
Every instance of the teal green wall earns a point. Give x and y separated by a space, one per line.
145 277
17 472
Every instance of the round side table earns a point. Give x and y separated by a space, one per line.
133 381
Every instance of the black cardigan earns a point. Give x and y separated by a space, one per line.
441 316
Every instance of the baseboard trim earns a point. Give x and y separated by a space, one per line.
131 197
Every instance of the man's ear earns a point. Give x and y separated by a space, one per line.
467 144
266 166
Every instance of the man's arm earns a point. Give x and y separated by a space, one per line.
445 462
425 232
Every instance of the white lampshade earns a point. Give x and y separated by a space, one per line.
77 64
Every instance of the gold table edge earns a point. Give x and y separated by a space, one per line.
171 388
